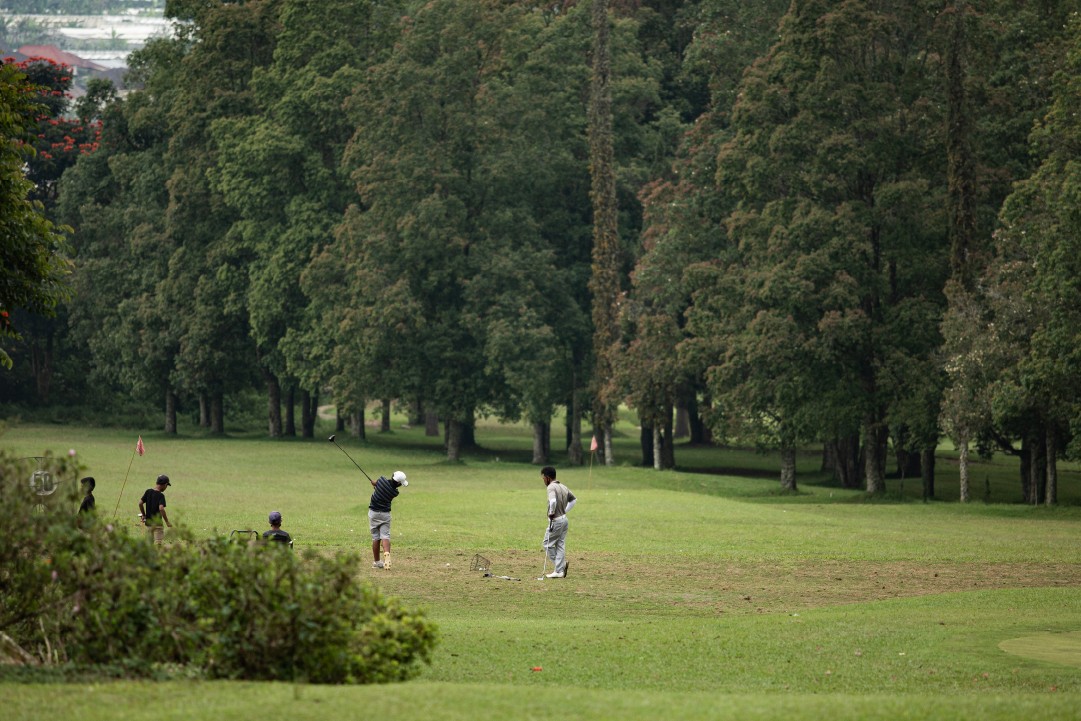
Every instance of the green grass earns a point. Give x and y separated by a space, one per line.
692 594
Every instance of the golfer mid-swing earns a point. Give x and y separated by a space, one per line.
384 493
560 500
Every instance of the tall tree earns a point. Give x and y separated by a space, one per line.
683 215
280 170
604 281
205 292
961 199
1033 283
1002 56
59 140
440 254
116 199
33 262
826 297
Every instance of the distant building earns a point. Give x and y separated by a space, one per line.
61 57
81 68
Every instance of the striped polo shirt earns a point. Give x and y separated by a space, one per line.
385 491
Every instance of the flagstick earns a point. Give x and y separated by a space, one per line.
125 481
589 478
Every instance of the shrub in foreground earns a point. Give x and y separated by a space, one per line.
92 593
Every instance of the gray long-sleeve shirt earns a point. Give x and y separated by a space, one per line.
560 499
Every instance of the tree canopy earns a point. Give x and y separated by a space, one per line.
798 223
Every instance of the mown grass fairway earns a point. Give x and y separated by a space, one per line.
691 595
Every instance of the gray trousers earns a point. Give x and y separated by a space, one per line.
555 543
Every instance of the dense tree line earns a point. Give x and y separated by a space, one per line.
790 223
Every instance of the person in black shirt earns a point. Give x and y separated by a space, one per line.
152 509
386 490
276 533
89 504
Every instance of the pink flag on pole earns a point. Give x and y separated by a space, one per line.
593 445
139 447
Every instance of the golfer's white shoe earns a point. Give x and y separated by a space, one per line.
553 574
386 560
377 564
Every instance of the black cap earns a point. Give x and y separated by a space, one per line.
163 480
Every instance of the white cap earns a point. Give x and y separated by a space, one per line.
400 478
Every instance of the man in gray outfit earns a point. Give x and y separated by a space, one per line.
560 500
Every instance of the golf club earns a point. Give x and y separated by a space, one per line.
544 566
331 439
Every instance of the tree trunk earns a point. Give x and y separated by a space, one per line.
469 433
658 451
841 455
609 458
574 423
454 440
1025 464
1038 467
1050 496
700 432
788 469
647 443
540 443
359 431
873 456
41 361
339 419
204 411
309 404
217 413
668 443
416 412
384 423
908 463
170 412
683 422
431 423
927 472
966 494
829 458
274 404
290 412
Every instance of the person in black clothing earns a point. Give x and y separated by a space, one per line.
386 490
276 533
89 504
152 509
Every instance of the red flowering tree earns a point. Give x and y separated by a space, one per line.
61 137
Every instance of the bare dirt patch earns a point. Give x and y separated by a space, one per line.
608 584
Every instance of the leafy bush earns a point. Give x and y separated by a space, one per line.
87 592
28 530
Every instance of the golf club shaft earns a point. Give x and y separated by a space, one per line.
547 536
350 458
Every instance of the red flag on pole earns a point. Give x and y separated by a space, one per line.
139 447
593 445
